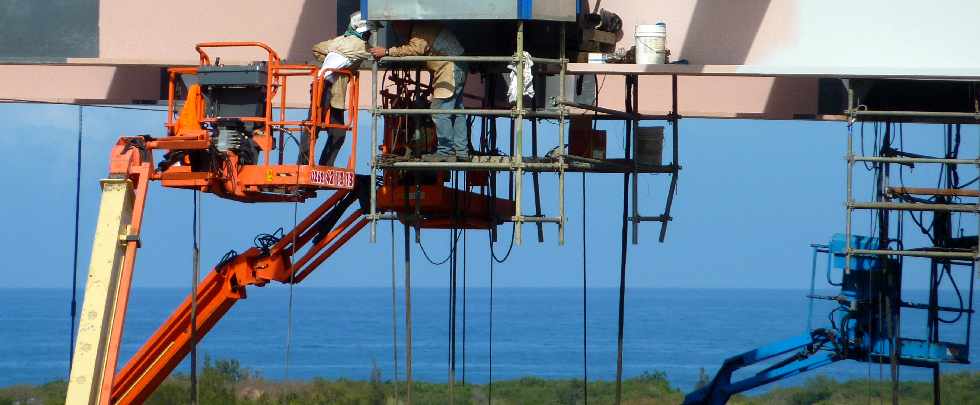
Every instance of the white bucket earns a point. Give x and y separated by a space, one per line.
649 146
651 43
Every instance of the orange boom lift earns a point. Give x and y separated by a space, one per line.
228 139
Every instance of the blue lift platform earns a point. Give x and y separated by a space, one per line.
859 329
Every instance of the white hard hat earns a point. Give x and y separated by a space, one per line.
357 23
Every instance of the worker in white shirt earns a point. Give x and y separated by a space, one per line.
344 52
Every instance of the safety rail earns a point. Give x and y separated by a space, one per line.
563 109
277 75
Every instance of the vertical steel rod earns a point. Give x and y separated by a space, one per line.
519 132
631 84
850 177
374 142
394 313
73 310
813 281
561 138
195 276
675 139
408 316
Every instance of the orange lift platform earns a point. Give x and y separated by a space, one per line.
226 135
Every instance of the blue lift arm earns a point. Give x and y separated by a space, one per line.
809 355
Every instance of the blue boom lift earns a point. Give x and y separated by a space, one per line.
862 327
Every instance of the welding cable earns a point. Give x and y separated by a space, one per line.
452 249
264 241
74 269
947 269
867 166
510 248
901 181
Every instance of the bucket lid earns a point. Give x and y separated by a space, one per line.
659 28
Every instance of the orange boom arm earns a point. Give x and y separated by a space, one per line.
225 285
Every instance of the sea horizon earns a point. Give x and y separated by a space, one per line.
537 332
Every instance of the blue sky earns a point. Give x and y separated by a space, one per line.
752 196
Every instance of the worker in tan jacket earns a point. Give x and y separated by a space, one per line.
344 52
449 78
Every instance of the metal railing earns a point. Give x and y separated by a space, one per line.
518 113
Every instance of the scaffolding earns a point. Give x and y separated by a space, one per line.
945 252
519 164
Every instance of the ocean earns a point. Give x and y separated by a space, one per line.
345 332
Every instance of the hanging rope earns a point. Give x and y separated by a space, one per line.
74 267
195 276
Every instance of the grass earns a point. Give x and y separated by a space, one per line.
227 382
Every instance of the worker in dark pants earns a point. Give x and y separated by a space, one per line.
344 52
449 78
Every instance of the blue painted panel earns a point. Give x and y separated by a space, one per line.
838 247
524 9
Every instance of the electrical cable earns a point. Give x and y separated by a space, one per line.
74 268
7 100
510 248
264 241
452 249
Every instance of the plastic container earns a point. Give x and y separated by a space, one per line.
651 43
649 146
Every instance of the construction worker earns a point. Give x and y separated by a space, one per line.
345 51
449 78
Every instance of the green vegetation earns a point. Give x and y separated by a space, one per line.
226 382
